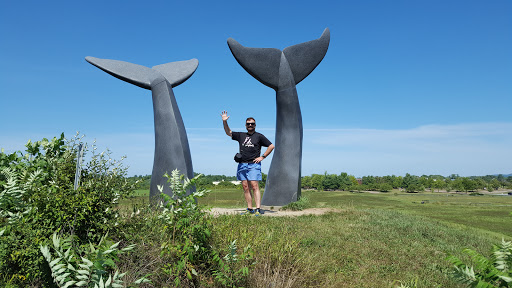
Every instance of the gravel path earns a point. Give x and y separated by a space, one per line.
274 212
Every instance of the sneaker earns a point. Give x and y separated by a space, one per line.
247 212
259 211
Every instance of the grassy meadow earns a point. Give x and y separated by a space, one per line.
375 240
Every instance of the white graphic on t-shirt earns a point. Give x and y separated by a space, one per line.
247 142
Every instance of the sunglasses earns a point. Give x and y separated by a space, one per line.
250 124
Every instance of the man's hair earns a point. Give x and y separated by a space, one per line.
250 118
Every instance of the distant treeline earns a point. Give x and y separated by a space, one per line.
205 181
345 182
409 183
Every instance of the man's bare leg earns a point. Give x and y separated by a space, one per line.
247 194
255 185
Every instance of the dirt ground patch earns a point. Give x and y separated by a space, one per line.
274 212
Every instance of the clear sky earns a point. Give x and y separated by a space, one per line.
420 87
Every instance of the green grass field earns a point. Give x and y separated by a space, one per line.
373 241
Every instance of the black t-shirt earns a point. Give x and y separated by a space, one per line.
250 144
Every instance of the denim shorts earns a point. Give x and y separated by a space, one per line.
249 171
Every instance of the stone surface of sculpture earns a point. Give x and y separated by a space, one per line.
171 143
281 71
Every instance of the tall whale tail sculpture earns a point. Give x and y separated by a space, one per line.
282 71
171 143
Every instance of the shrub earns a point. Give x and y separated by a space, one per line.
40 200
299 205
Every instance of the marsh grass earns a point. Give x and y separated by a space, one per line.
353 248
491 214
488 213
376 240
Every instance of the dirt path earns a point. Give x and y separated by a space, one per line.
274 212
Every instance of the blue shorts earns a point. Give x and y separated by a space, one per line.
249 171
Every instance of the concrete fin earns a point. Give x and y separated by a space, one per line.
177 72
261 63
304 57
132 73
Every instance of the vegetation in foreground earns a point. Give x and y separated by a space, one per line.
383 238
376 240
53 235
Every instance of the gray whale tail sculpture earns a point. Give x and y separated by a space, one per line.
282 71
171 143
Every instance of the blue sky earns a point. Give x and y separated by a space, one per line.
420 87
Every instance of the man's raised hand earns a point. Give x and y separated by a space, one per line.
224 115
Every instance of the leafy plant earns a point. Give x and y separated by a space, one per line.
227 274
493 272
190 227
13 204
85 268
183 203
38 198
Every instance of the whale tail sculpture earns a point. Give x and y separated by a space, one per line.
264 63
282 71
171 144
174 72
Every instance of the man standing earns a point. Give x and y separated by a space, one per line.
249 168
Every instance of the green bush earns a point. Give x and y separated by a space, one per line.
299 205
40 207
40 199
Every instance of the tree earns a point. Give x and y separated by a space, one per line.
385 187
306 182
480 183
316 181
495 184
330 181
469 184
344 181
439 184
457 185
426 181
367 180
411 183
453 176
398 182
353 179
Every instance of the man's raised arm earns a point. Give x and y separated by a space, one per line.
225 118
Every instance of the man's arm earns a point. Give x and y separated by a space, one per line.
267 152
225 118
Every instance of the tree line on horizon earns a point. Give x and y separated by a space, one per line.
408 183
346 182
